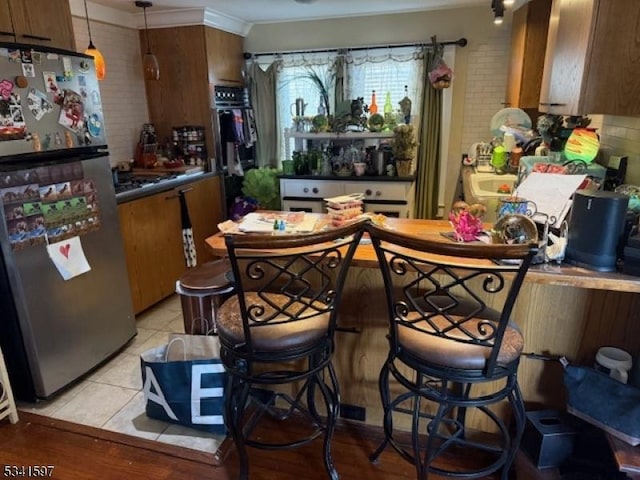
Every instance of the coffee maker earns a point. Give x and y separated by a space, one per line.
596 224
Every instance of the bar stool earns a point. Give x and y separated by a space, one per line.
454 351
200 289
7 404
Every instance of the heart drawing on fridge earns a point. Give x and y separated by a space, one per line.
64 250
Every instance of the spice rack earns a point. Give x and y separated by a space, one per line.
189 145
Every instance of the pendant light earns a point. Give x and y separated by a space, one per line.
101 68
149 61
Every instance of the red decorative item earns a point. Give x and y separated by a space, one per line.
467 221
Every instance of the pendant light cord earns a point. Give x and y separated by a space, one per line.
86 14
146 30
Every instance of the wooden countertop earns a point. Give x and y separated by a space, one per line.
549 273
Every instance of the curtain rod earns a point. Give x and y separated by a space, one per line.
462 42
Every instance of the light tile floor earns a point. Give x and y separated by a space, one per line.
111 397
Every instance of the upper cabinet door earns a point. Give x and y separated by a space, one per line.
592 62
528 42
43 22
568 43
6 27
224 57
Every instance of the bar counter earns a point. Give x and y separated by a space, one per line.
562 310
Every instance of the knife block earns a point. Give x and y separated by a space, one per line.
143 158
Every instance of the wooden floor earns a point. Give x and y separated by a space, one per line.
80 452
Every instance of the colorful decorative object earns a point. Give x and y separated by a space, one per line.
466 220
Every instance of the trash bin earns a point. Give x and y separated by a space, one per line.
201 289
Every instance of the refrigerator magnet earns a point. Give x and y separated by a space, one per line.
28 70
4 52
72 111
14 55
38 103
21 81
66 67
25 56
50 83
6 87
36 57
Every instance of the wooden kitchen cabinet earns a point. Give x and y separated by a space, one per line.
190 62
591 62
152 234
37 22
528 44
225 57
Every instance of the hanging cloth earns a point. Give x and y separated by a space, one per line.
188 244
250 132
238 125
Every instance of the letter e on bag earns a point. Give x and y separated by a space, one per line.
198 393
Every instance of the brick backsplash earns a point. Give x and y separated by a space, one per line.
621 136
124 100
485 86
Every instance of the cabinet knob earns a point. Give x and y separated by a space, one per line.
368 192
315 190
305 190
378 193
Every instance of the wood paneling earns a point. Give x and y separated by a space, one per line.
181 95
152 233
191 60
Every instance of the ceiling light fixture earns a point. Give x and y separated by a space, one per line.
101 67
149 61
508 3
498 10
305 1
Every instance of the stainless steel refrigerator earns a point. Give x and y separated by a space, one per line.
64 291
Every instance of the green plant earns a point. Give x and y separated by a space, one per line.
263 185
324 84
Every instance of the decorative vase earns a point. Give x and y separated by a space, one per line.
403 167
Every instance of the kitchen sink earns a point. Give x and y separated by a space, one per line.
482 187
487 184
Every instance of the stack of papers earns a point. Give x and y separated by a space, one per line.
551 193
260 223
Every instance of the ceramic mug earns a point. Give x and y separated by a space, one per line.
615 362
516 205
359 168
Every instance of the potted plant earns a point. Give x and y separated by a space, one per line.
262 184
403 147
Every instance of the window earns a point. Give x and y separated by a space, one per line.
381 69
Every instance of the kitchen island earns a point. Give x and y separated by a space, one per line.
562 311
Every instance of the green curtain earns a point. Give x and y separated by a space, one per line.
428 164
263 99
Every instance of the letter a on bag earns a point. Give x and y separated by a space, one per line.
156 396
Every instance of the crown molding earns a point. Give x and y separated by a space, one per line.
161 19
194 16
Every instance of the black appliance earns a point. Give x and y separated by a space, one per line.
596 223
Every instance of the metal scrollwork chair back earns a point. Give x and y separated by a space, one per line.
450 309
279 328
